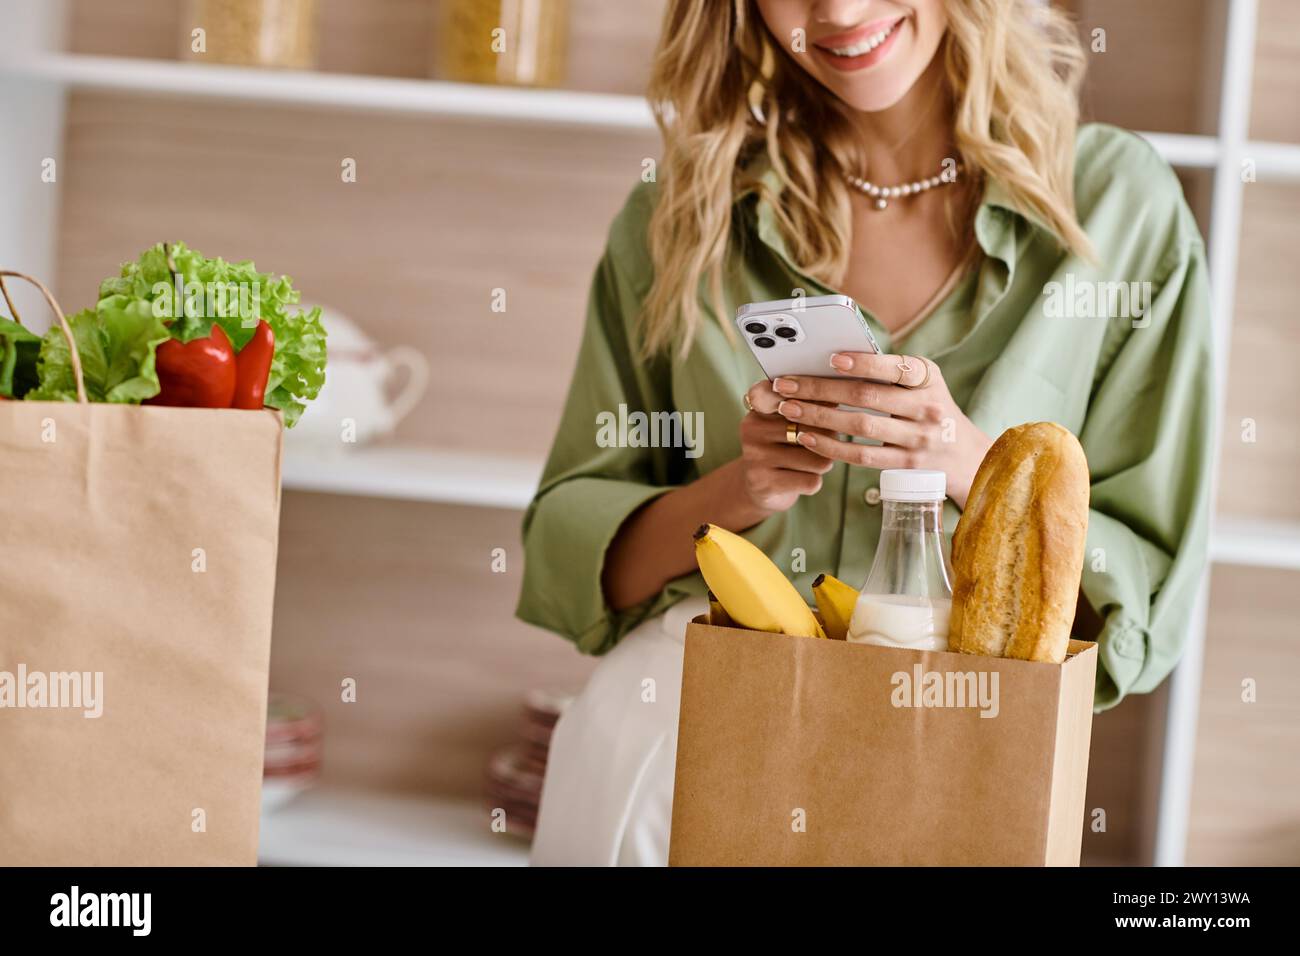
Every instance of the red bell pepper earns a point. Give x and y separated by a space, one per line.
253 368
197 374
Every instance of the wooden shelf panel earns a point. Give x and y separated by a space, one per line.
404 599
1260 451
1276 86
1148 46
1248 752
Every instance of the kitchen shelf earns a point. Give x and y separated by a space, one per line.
335 827
1185 150
414 474
469 101
335 90
1273 160
1254 542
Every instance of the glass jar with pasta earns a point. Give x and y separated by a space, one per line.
275 33
515 42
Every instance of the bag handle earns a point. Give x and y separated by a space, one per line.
63 323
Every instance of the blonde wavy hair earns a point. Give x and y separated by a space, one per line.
721 93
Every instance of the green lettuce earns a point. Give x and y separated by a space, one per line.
144 305
116 341
298 368
18 353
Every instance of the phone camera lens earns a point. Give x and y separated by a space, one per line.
755 327
764 342
786 332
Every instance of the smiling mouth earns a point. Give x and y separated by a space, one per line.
864 45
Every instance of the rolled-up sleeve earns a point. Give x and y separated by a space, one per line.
591 485
1148 440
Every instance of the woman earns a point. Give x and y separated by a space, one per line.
988 267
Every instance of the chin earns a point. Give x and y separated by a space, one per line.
871 96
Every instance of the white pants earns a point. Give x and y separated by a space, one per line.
608 795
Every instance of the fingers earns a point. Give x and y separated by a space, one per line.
869 456
795 458
919 405
803 483
762 399
767 429
890 431
767 445
906 370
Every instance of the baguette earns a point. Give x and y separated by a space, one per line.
1018 550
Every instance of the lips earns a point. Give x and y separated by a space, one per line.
839 43
861 47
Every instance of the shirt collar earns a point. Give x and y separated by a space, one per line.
761 170
995 220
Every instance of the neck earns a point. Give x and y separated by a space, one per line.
908 140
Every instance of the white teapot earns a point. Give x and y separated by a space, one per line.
354 406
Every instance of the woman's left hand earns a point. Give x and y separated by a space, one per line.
926 428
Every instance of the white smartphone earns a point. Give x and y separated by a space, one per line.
799 336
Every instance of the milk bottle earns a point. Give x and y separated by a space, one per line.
907 599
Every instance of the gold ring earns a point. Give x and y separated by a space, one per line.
792 433
748 407
925 381
903 369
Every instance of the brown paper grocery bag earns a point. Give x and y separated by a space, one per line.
137 566
797 751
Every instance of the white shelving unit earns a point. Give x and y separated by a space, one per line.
1234 539
1256 543
332 90
339 91
414 474
333 827
37 75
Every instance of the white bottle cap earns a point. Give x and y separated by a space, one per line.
913 484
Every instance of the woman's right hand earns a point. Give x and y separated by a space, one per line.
773 472
656 542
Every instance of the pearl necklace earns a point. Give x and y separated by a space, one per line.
882 194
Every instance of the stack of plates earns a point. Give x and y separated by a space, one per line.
514 774
293 748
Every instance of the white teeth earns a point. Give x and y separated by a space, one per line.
865 46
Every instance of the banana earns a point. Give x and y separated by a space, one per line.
836 601
718 616
751 589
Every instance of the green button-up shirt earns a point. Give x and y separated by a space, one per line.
1032 334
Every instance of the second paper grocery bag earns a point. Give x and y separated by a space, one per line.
137 573
802 751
